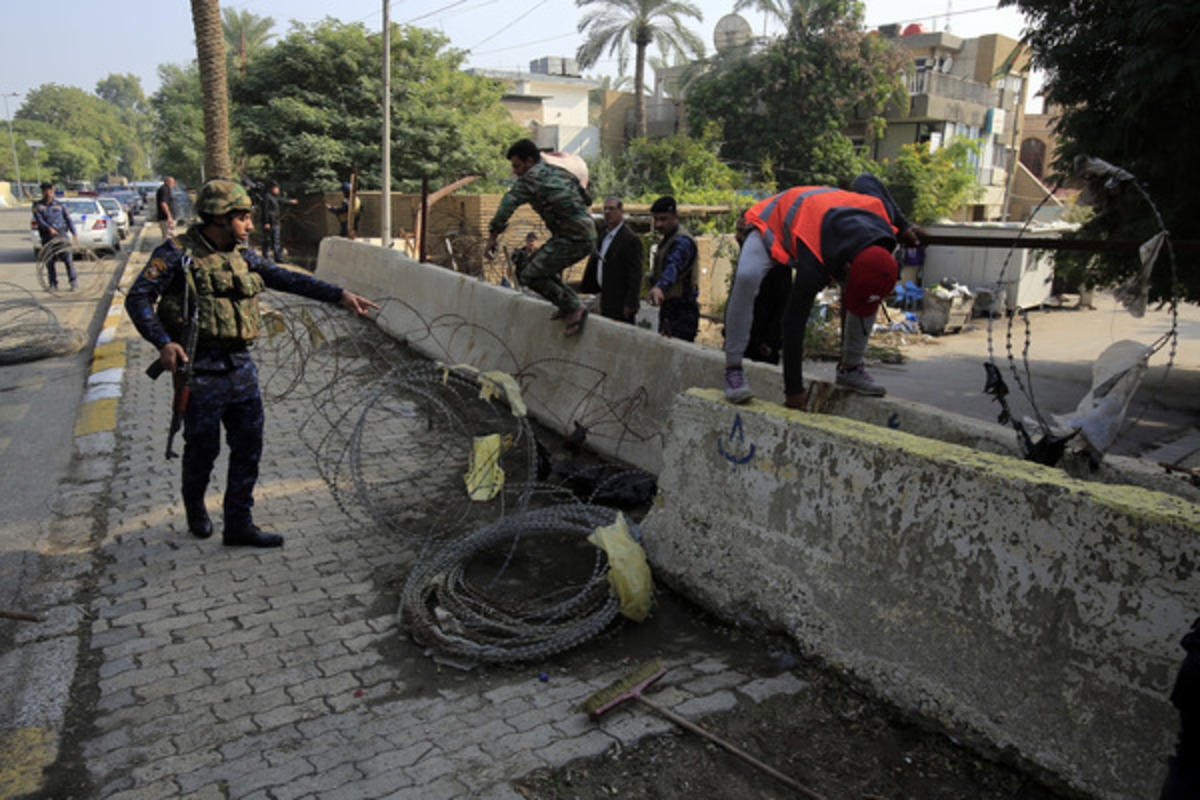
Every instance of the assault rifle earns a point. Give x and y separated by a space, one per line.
183 371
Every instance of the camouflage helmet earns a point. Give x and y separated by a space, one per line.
220 196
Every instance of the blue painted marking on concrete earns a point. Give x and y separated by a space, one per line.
737 453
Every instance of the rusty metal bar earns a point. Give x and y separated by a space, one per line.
1047 243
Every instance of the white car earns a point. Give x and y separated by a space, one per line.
116 210
94 227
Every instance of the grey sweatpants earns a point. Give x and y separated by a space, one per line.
753 265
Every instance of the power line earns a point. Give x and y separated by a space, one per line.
525 44
528 11
932 16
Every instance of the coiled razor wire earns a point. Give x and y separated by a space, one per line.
89 276
29 330
391 434
473 617
1115 175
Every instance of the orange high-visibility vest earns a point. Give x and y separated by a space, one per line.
797 214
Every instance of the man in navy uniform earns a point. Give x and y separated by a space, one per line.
53 220
210 268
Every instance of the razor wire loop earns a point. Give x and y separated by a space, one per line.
371 400
1115 175
444 609
29 330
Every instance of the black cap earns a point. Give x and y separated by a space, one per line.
664 205
47 185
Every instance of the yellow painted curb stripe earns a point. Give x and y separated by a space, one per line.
108 356
24 754
96 416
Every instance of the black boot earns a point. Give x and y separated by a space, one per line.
252 536
198 522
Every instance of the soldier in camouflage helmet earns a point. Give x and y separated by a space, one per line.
562 203
212 267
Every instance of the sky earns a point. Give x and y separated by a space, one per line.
94 39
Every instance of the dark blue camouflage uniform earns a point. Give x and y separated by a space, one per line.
225 380
674 272
49 217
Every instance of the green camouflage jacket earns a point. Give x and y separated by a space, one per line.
555 194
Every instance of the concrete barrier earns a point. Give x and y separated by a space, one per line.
617 380
1013 604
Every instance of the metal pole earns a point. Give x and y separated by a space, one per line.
424 217
385 197
12 140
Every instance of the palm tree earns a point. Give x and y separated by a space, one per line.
210 58
616 24
245 34
803 12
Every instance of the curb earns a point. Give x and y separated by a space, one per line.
44 668
98 410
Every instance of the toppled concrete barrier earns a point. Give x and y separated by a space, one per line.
1017 606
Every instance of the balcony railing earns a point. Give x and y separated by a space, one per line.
952 87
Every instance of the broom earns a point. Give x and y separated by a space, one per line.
631 688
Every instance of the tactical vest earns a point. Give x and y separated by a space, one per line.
225 291
686 285
797 213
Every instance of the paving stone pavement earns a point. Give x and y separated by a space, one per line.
215 672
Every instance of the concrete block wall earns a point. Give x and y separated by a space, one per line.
1011 603
1015 605
618 380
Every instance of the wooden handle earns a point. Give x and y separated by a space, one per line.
684 722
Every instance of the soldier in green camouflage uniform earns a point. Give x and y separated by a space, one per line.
223 278
562 203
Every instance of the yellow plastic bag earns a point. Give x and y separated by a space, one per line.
484 475
628 571
491 384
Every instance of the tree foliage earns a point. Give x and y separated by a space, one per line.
932 185
246 35
310 106
684 167
124 91
1124 72
789 102
616 26
179 123
85 136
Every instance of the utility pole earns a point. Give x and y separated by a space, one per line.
385 197
35 145
13 142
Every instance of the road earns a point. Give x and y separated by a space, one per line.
1063 344
39 398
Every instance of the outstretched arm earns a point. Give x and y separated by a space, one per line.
357 303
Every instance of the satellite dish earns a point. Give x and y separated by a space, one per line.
732 31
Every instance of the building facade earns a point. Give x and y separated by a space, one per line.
551 101
960 87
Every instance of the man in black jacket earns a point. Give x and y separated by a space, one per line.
272 242
615 268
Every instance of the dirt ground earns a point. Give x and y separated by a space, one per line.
832 738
